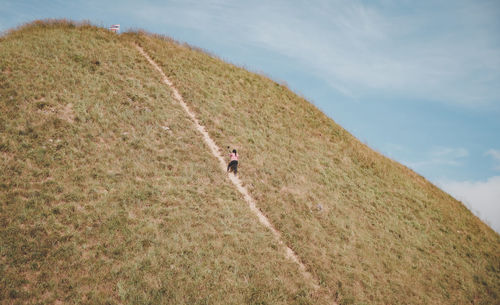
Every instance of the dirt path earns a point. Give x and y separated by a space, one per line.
290 254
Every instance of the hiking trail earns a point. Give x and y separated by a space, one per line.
290 254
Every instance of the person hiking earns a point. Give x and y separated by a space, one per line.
233 163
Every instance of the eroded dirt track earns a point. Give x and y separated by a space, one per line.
216 152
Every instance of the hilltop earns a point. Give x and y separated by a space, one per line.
109 194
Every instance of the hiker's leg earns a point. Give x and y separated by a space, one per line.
230 166
235 168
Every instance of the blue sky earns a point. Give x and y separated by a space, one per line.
418 81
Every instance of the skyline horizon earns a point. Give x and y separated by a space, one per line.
420 92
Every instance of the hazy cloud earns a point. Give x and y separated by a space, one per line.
449 152
481 197
495 154
439 156
445 52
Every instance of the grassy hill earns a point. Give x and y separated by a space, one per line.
100 204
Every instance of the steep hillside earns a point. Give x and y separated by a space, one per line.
102 204
384 235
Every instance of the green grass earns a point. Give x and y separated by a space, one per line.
99 204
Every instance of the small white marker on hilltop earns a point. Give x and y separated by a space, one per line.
115 28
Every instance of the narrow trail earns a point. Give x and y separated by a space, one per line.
290 254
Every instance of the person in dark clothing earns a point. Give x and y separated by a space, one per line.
233 163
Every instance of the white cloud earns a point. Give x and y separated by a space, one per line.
448 53
495 154
364 50
481 197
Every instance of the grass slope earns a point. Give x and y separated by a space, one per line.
384 234
99 204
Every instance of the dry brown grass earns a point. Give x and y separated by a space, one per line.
385 235
99 204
